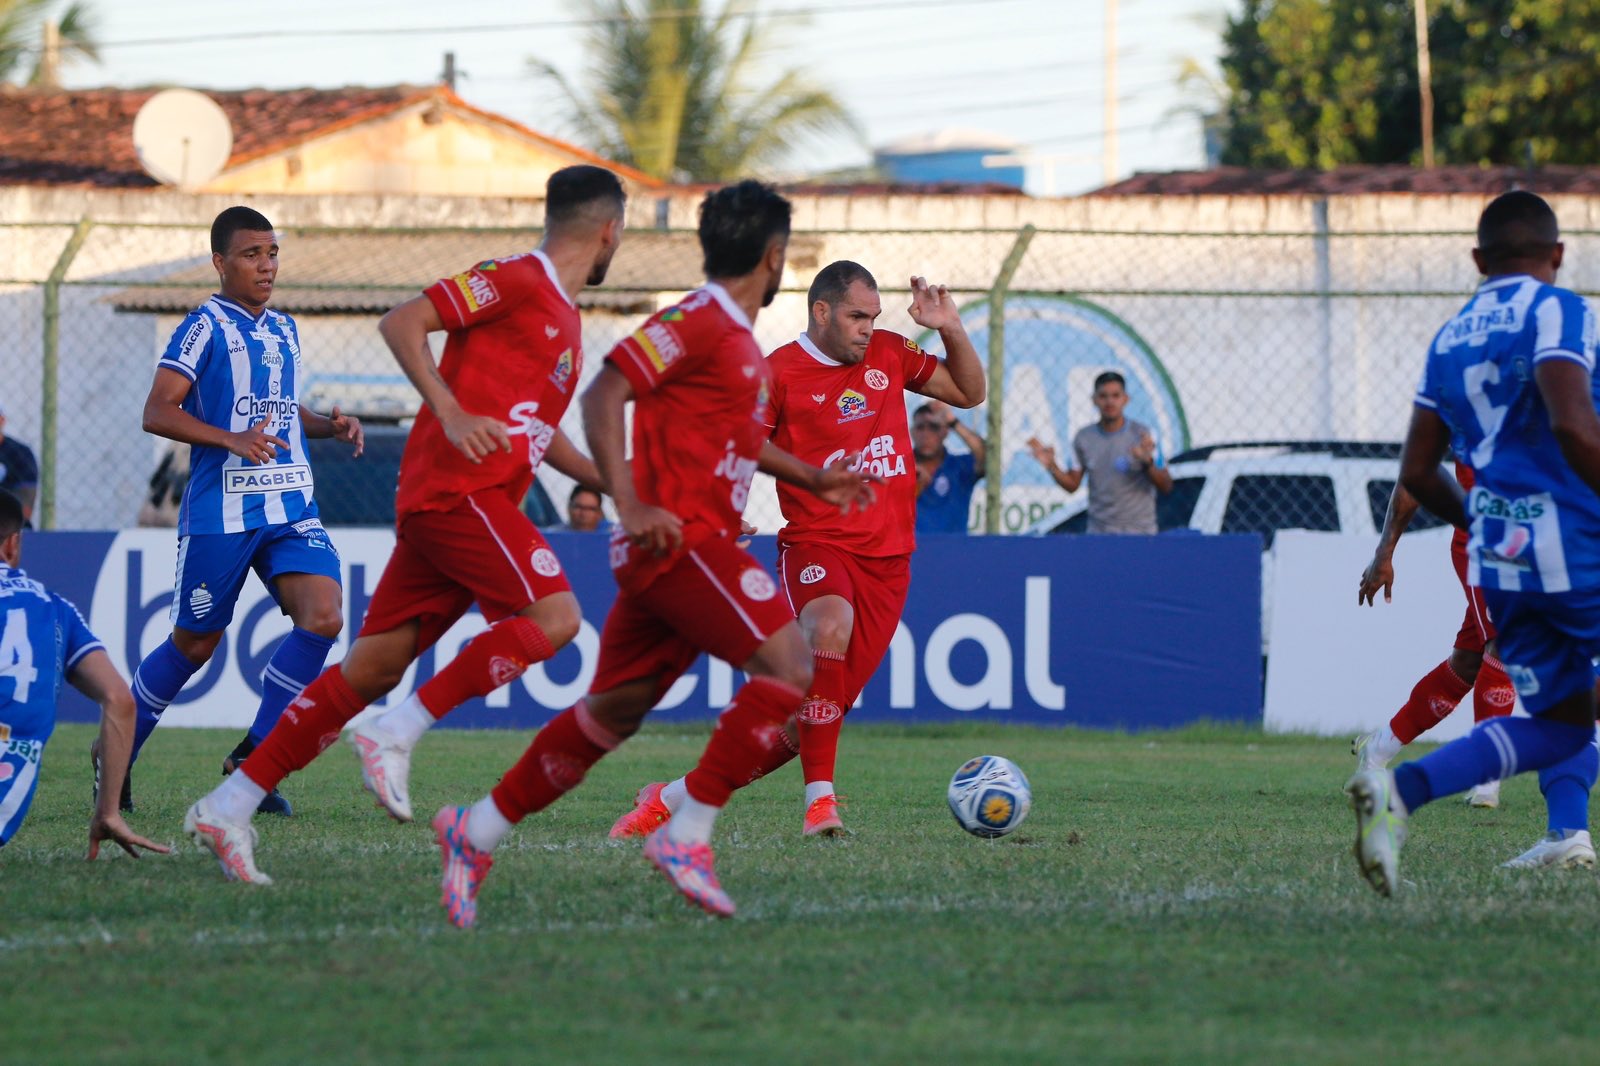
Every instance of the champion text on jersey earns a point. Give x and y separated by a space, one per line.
476 289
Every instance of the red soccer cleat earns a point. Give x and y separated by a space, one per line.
822 818
648 814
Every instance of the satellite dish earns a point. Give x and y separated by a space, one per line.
182 138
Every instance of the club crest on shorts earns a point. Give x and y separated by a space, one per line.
812 574
756 585
545 563
877 379
200 602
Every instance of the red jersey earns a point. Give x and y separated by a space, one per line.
514 352
824 411
702 393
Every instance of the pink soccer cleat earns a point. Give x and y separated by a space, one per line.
465 867
822 818
648 814
688 867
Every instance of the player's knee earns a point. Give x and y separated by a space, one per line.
562 627
326 620
831 634
196 647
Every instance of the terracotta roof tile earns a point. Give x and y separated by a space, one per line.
1358 180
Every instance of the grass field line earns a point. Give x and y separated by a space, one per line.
803 910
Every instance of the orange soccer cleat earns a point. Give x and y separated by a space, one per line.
648 814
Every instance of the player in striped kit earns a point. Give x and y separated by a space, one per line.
228 384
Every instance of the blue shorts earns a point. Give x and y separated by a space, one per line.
19 779
212 568
1548 641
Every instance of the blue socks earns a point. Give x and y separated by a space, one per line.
1496 750
295 664
1566 787
156 683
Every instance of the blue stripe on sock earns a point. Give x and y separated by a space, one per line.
156 683
296 663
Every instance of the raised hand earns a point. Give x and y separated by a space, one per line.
1046 456
348 429
932 306
476 436
254 446
1145 450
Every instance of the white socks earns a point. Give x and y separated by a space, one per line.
486 826
692 822
815 790
673 793
236 799
407 721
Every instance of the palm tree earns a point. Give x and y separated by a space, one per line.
669 90
22 24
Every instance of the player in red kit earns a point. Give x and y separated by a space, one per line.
493 404
702 396
1472 666
838 393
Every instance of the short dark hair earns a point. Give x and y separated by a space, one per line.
924 409
232 221
737 224
1110 377
10 514
1517 225
572 189
581 490
835 279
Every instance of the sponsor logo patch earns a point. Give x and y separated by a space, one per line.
877 379
552 332
852 405
545 563
812 574
5 731
487 264
285 477
562 374
910 344
477 290
757 586
308 526
820 397
659 344
672 314
6 770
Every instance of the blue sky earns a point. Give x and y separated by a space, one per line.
1028 70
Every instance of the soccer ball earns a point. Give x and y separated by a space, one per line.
989 796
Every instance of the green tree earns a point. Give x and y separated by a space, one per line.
22 25
670 88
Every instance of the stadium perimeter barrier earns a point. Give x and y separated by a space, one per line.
1223 337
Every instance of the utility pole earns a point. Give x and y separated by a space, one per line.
1108 160
449 75
1425 82
50 57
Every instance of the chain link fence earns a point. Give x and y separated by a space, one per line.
1276 370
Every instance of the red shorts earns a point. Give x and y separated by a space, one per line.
485 549
1477 629
876 589
716 599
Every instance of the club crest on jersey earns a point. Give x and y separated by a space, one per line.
476 289
544 563
756 585
659 344
812 574
852 405
562 374
877 379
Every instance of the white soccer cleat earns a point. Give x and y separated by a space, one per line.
385 768
233 844
1374 750
1485 796
1556 850
1380 827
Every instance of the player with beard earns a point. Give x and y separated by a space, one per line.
702 398
511 364
838 393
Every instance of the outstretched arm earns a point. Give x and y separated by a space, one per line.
95 677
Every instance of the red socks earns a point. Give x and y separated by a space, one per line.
747 737
1492 694
1435 696
493 657
309 724
554 763
822 716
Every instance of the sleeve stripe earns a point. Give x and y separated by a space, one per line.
1548 321
81 652
183 368
1562 353
1423 401
642 363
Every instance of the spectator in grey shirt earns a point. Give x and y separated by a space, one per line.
1120 459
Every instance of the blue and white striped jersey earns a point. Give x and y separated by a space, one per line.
42 637
1535 523
244 369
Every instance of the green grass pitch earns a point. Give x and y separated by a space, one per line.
1173 897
